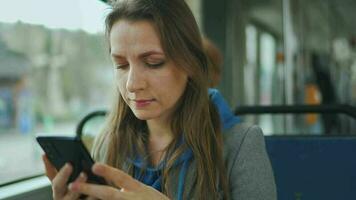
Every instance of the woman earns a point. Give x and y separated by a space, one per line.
163 138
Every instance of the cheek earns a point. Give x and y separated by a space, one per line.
122 91
121 83
177 87
181 80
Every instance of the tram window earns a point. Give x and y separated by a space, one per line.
262 67
251 65
267 57
53 70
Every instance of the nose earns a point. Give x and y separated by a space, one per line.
136 79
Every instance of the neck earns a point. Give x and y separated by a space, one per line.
159 132
160 136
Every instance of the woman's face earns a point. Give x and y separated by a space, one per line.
149 82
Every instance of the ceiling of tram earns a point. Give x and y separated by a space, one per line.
347 12
320 17
315 20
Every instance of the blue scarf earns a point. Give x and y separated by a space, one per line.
228 119
152 176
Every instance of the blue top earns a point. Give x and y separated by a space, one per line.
152 176
227 117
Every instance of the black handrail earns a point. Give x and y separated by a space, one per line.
244 110
79 130
298 109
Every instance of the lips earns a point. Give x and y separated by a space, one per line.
143 102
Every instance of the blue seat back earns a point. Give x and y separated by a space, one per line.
313 168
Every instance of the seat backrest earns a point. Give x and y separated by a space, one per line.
313 167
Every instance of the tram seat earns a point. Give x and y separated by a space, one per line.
313 167
305 167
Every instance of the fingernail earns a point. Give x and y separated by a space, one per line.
67 165
95 167
70 186
73 186
82 175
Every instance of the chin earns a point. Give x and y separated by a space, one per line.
144 115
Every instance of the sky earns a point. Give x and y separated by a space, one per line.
87 15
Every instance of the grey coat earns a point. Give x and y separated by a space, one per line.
248 167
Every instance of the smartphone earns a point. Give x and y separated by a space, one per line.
60 150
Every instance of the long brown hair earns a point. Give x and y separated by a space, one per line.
195 117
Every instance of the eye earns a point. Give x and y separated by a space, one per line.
155 65
121 66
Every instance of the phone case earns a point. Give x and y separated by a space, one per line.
60 150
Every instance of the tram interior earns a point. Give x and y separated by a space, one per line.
276 53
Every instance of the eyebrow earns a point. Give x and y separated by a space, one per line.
148 53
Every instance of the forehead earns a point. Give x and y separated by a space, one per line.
134 35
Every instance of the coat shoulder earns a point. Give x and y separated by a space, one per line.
238 135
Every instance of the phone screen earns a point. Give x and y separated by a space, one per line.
61 150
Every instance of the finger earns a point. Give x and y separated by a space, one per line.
97 191
82 178
59 182
51 171
118 177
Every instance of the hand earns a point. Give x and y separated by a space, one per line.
59 180
130 188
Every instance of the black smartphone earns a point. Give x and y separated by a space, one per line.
60 150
